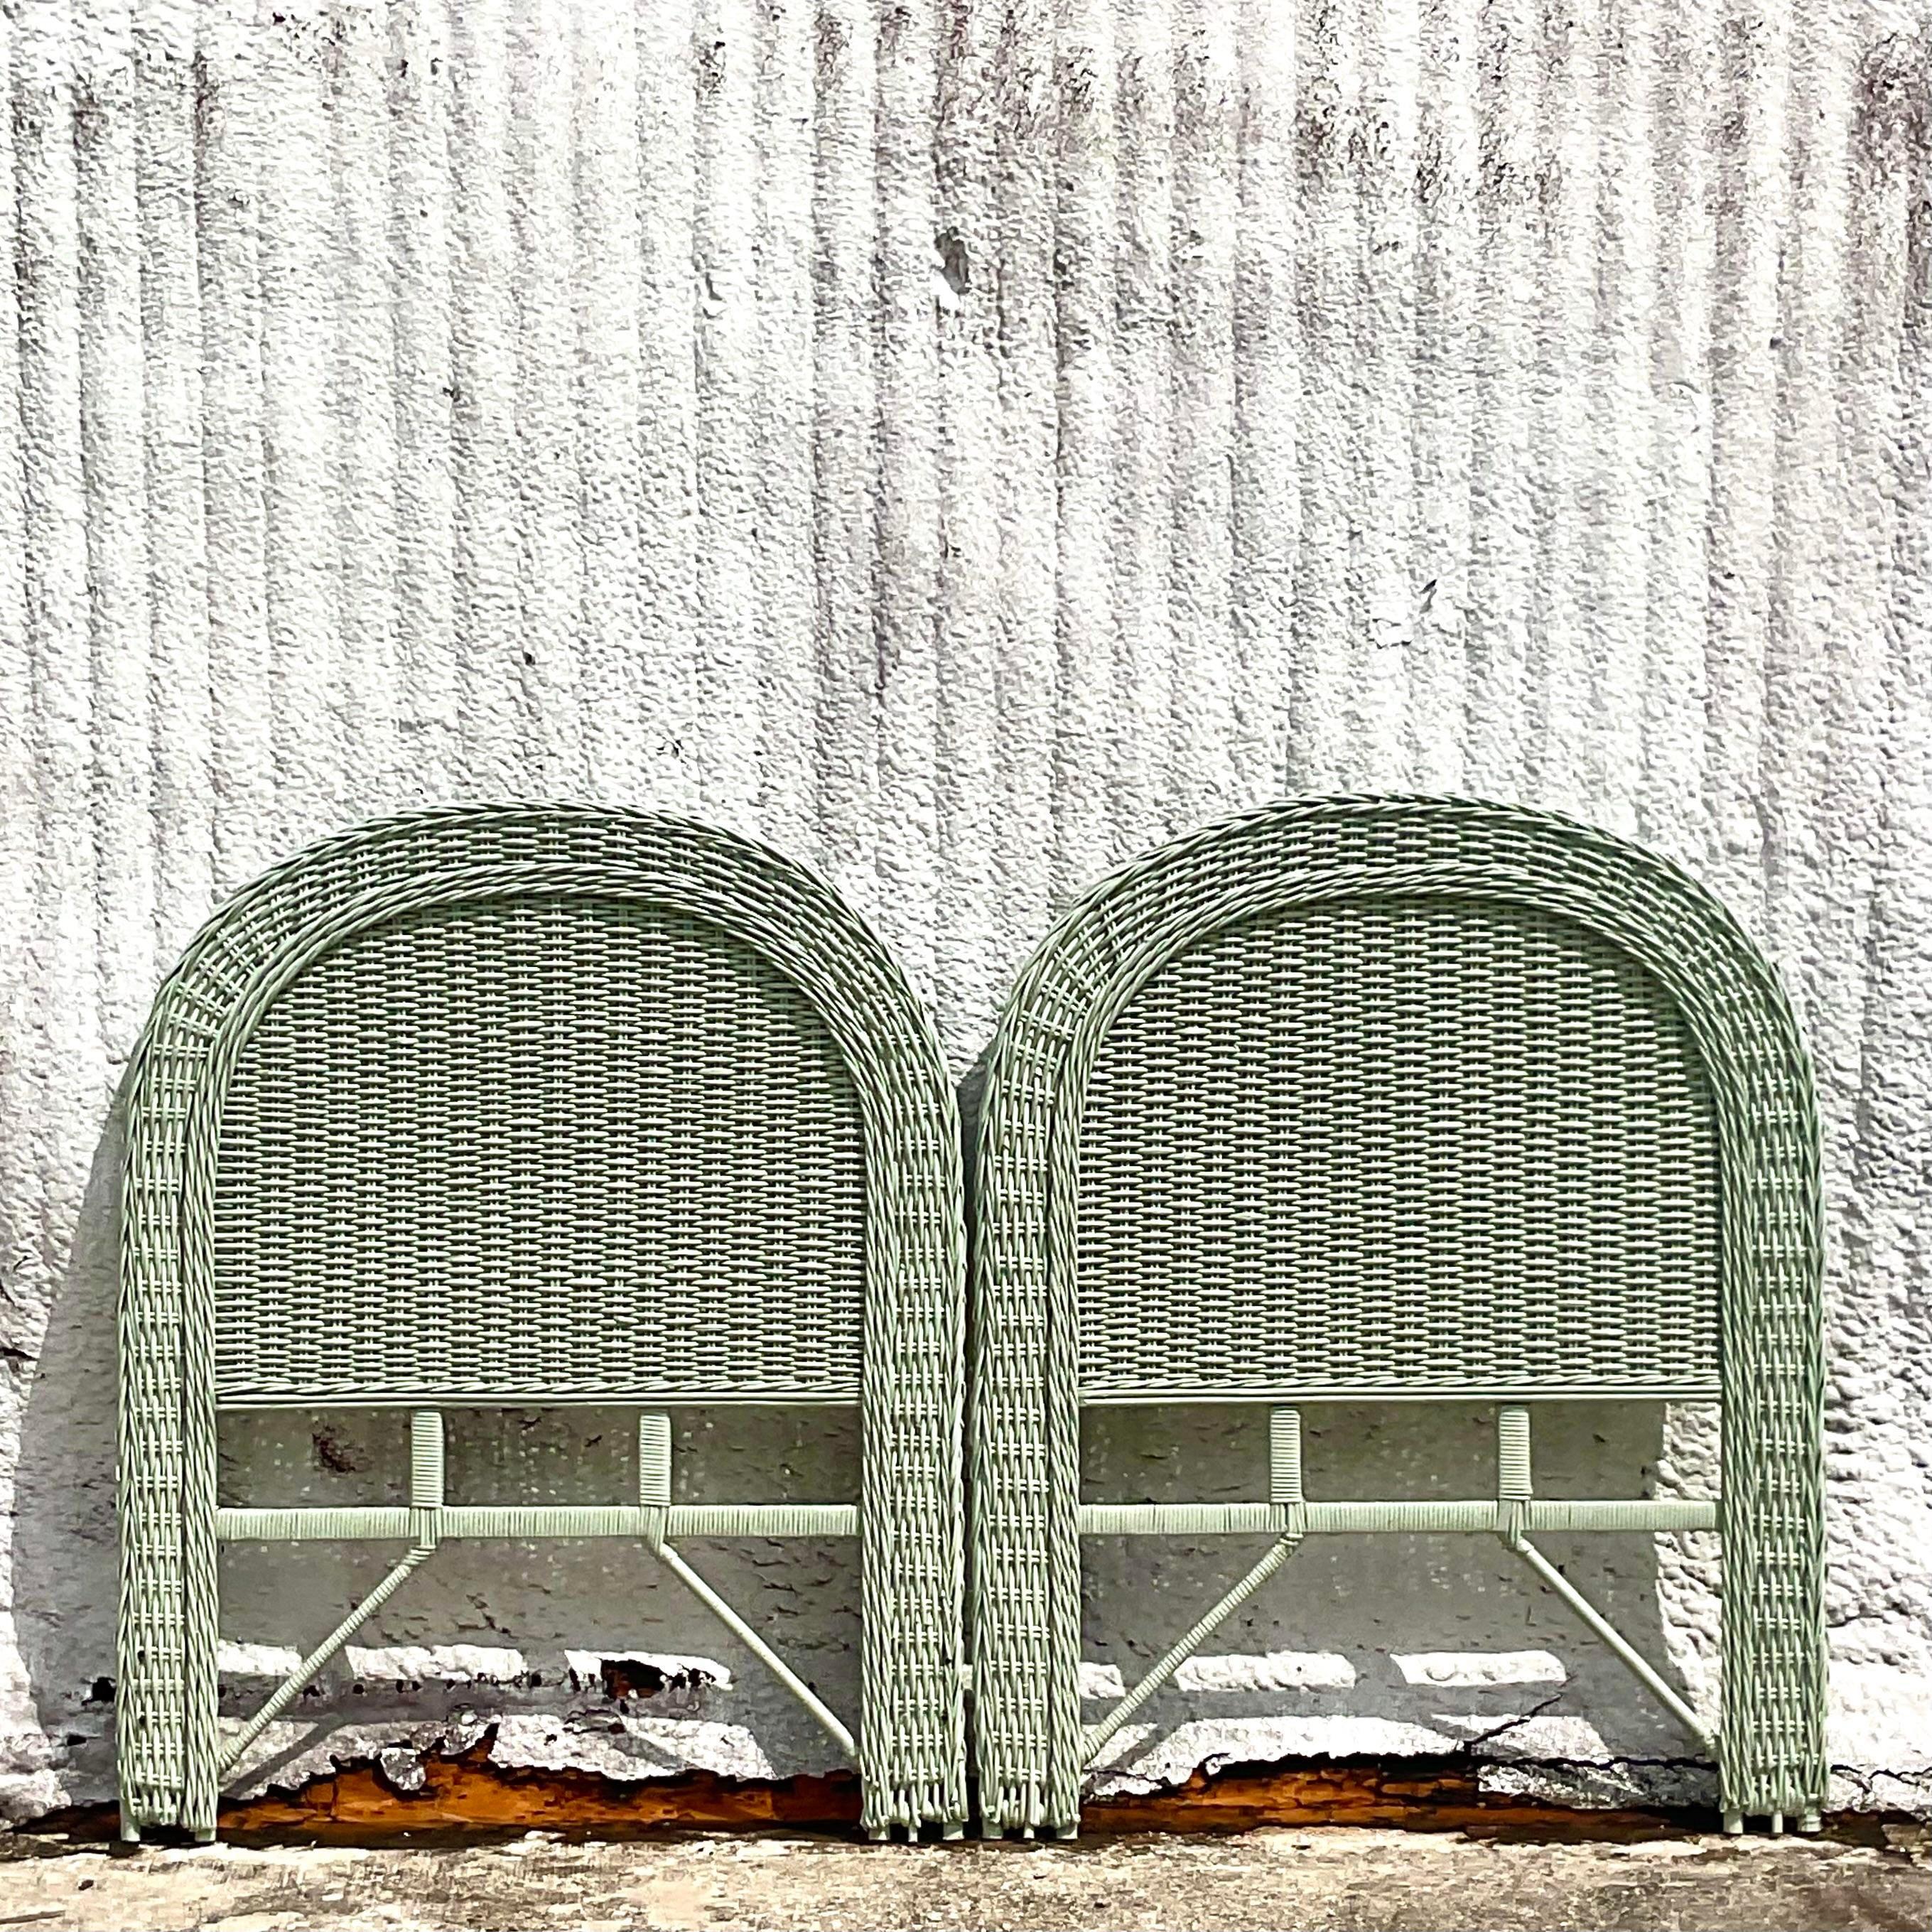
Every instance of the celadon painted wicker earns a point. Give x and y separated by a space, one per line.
524 1104
1371 1098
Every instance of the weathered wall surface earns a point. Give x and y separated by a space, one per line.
963 442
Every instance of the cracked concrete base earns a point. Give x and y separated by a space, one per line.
1358 1880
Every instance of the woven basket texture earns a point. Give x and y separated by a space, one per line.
568 1147
1390 1143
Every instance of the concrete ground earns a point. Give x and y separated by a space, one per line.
1360 1880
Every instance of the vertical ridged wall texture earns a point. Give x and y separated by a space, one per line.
963 442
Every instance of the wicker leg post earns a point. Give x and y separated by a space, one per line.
150 1742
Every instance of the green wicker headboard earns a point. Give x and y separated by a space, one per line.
1394 1099
533 1105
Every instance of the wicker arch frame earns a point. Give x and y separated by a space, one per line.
1030 1747
910 1747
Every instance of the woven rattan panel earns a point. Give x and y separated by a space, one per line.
1395 1146
547 1148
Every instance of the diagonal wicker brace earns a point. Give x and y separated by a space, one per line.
1289 1505
426 1500
1626 1653
1278 1553
1513 1497
305 1672
654 1495
825 1718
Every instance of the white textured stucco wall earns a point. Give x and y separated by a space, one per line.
963 441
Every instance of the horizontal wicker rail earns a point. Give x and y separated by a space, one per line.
475 1523
1422 1516
1689 1389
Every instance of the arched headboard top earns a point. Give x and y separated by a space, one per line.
1445 936
529 1103
1391 1097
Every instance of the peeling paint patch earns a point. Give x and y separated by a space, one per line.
402 1770
1533 1734
1178 1754
443 1662
257 1660
630 1748
612 1667
1271 1670
1268 1670
1101 1680
1474 1668
292 1752
1613 1786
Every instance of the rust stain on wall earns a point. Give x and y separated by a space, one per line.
1411 1795
469 1796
